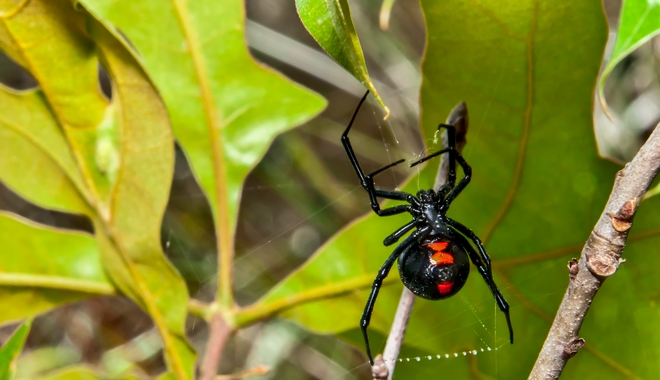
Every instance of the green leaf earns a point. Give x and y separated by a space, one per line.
121 152
42 268
538 188
139 198
70 83
10 351
639 22
225 109
49 178
331 25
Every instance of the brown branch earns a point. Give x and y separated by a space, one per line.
218 335
600 259
383 367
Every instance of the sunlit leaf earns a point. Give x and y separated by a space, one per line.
50 177
69 83
639 22
10 351
115 156
139 198
538 187
225 109
331 25
43 267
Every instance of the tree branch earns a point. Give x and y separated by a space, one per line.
383 367
218 335
600 259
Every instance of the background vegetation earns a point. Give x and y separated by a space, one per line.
122 246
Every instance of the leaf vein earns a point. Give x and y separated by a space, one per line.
522 150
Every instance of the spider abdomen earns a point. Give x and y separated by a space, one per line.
434 269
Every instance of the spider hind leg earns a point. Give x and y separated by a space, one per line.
378 282
367 181
482 262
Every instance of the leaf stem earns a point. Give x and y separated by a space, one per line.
200 309
214 123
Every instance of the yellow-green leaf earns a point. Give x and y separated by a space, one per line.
122 152
225 109
36 161
139 197
32 32
42 268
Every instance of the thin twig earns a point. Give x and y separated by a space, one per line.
383 367
218 335
601 256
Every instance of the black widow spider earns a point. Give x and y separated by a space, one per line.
433 260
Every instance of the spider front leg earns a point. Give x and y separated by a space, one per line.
388 194
367 181
484 269
378 282
467 171
451 144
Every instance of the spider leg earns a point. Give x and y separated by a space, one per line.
378 282
484 269
347 144
451 143
430 156
367 181
388 194
396 235
467 170
467 175
394 195
475 239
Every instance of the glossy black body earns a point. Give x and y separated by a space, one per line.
421 274
429 224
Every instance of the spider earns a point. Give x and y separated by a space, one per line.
433 260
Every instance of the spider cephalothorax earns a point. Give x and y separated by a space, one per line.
434 258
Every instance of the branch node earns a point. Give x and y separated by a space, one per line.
573 269
379 369
602 256
622 220
572 348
